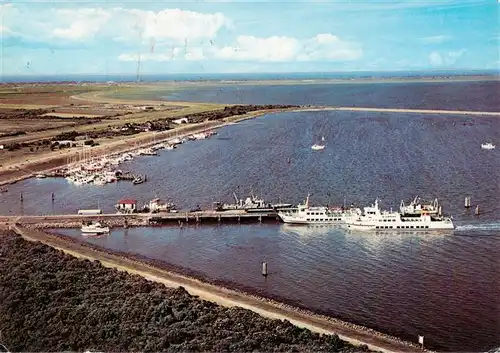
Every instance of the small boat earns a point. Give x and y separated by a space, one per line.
94 228
280 205
40 176
317 146
138 180
487 146
157 205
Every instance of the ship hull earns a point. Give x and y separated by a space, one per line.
299 220
400 226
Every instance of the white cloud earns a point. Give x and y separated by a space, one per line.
80 23
323 47
5 30
435 39
180 25
446 59
176 53
118 24
435 58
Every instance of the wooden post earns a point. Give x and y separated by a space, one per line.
21 197
476 212
264 269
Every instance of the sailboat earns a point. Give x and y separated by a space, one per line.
318 146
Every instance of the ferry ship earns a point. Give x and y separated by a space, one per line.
305 214
372 218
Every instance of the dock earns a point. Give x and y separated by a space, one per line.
141 219
234 216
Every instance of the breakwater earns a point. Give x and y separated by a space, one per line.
141 219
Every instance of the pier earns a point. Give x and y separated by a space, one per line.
236 216
141 219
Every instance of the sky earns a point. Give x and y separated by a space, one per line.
233 36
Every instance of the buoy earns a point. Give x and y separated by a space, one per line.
467 202
264 269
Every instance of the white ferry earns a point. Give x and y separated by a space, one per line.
372 218
94 228
305 214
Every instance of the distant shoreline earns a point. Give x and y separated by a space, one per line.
269 81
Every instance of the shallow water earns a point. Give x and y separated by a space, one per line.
475 96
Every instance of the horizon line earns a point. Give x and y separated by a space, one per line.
497 70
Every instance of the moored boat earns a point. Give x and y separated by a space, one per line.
94 228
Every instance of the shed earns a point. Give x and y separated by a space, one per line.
126 205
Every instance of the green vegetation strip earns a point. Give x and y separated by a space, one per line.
50 301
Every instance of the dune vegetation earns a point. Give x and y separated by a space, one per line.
51 301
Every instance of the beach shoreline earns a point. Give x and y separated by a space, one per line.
219 293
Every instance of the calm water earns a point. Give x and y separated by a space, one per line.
476 96
442 286
445 287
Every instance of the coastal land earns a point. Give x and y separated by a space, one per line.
45 127
117 117
102 118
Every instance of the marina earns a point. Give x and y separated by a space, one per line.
86 168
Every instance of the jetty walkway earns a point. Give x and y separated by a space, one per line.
140 219
401 110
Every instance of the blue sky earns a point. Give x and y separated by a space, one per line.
98 37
